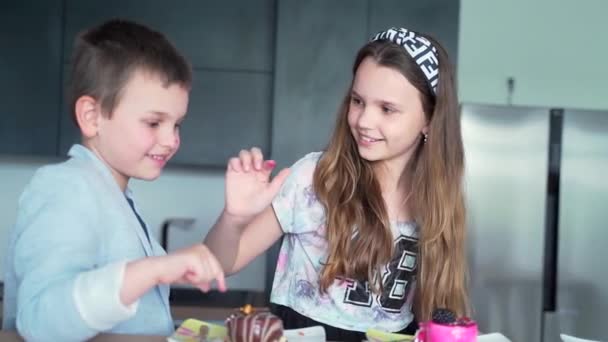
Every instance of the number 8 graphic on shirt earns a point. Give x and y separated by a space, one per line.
398 277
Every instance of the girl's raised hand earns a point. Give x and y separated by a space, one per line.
249 189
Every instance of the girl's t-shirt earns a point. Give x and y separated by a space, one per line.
347 304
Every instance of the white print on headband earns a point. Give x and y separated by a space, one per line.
419 48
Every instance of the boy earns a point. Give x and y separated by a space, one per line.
80 259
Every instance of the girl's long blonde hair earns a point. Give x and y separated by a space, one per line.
347 187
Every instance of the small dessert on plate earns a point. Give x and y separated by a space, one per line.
247 325
446 327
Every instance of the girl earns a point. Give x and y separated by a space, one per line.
374 225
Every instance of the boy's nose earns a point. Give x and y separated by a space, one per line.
170 140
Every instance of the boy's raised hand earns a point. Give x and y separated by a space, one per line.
249 189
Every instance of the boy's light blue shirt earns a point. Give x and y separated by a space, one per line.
67 252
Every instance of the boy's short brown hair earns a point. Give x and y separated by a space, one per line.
105 57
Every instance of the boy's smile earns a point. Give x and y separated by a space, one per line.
159 158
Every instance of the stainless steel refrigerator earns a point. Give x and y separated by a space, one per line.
537 200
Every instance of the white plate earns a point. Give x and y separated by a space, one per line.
311 334
567 338
493 337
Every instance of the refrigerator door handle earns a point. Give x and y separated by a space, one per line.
550 256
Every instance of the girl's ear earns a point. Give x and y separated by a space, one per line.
425 129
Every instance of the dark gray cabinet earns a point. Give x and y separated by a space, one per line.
30 78
228 34
246 90
228 111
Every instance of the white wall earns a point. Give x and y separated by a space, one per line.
177 193
14 175
555 49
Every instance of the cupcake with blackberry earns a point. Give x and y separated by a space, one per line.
446 327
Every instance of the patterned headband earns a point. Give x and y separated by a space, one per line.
419 48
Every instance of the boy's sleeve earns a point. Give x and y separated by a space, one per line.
295 195
63 294
97 296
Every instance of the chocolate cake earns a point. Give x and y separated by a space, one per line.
248 326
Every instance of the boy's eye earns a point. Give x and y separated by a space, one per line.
356 101
387 110
153 124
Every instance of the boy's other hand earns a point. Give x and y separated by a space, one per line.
195 265
249 189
